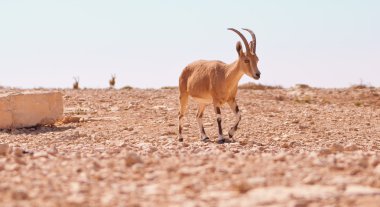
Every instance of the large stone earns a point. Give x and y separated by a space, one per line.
29 109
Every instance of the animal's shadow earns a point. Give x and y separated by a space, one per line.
38 129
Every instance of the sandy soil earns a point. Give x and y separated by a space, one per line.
295 147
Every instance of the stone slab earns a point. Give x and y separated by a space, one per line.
27 109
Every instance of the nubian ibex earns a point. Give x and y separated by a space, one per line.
76 83
215 82
112 82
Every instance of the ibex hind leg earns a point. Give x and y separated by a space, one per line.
221 139
201 109
183 100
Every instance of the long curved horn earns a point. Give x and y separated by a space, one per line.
242 37
253 39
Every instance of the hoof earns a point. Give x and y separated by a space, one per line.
180 139
221 141
206 139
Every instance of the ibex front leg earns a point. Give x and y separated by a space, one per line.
234 107
221 139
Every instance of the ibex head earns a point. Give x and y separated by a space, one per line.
248 60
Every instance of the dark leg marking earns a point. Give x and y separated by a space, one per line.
180 128
219 120
235 108
221 140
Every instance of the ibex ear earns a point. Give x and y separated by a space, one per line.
239 48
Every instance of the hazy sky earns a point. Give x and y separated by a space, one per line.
324 43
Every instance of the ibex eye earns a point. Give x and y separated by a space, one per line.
246 61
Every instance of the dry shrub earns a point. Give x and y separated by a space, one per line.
359 86
127 88
302 86
169 87
254 86
303 99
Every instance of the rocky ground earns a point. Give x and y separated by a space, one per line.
300 147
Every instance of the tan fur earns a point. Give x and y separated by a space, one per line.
215 81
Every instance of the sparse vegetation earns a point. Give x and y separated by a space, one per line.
361 85
169 87
302 86
303 99
254 86
127 88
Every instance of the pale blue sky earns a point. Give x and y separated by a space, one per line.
324 43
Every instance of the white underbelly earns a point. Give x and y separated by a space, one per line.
203 100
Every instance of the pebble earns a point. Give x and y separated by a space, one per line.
40 154
336 147
20 194
351 147
52 150
76 199
131 159
17 151
4 149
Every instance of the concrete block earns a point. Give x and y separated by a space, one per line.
29 109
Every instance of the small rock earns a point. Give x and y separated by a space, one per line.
325 152
70 119
311 179
96 165
75 187
52 151
17 151
40 154
207 124
298 204
20 194
296 121
129 128
336 148
280 157
19 160
4 149
302 127
351 147
76 199
12 167
255 181
377 170
285 145
107 199
131 159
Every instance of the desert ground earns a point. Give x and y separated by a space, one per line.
297 146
